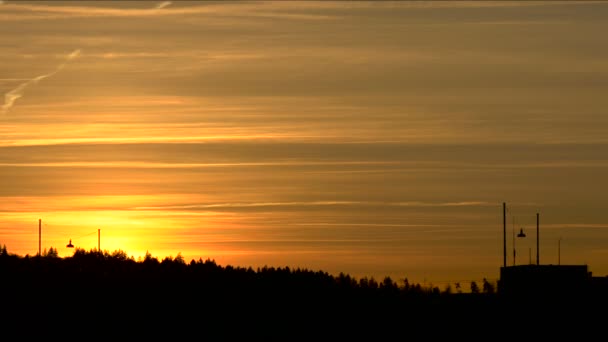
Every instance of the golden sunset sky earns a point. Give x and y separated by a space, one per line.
370 138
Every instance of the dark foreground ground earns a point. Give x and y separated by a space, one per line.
207 302
177 313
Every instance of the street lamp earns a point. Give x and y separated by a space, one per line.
521 234
70 245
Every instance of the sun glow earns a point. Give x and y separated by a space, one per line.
112 223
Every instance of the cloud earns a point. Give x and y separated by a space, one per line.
315 203
270 10
248 205
166 165
16 93
445 204
74 54
163 4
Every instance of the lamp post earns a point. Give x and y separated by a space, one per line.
521 234
39 237
70 245
559 241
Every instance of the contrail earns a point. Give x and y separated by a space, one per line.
13 95
161 5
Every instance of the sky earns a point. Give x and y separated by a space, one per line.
375 139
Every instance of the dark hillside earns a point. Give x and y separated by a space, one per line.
106 294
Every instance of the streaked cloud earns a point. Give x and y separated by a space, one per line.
16 93
194 165
251 205
446 204
575 226
391 166
163 4
315 203
268 10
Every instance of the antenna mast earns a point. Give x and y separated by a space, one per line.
558 250
537 254
504 233
39 237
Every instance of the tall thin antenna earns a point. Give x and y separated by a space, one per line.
559 251
537 237
39 237
504 233
98 240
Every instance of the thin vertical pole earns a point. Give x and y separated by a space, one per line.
98 240
537 237
39 237
558 251
504 233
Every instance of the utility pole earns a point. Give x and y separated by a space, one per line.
504 233
39 237
558 251
537 238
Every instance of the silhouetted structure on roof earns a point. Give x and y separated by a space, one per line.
547 281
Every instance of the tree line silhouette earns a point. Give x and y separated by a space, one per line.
93 259
93 288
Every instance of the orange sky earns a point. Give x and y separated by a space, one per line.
370 138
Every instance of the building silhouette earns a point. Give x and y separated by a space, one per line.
553 282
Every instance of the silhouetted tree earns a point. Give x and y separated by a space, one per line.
368 283
406 284
179 259
435 290
150 260
51 253
474 287
174 286
346 280
487 286
119 255
388 283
